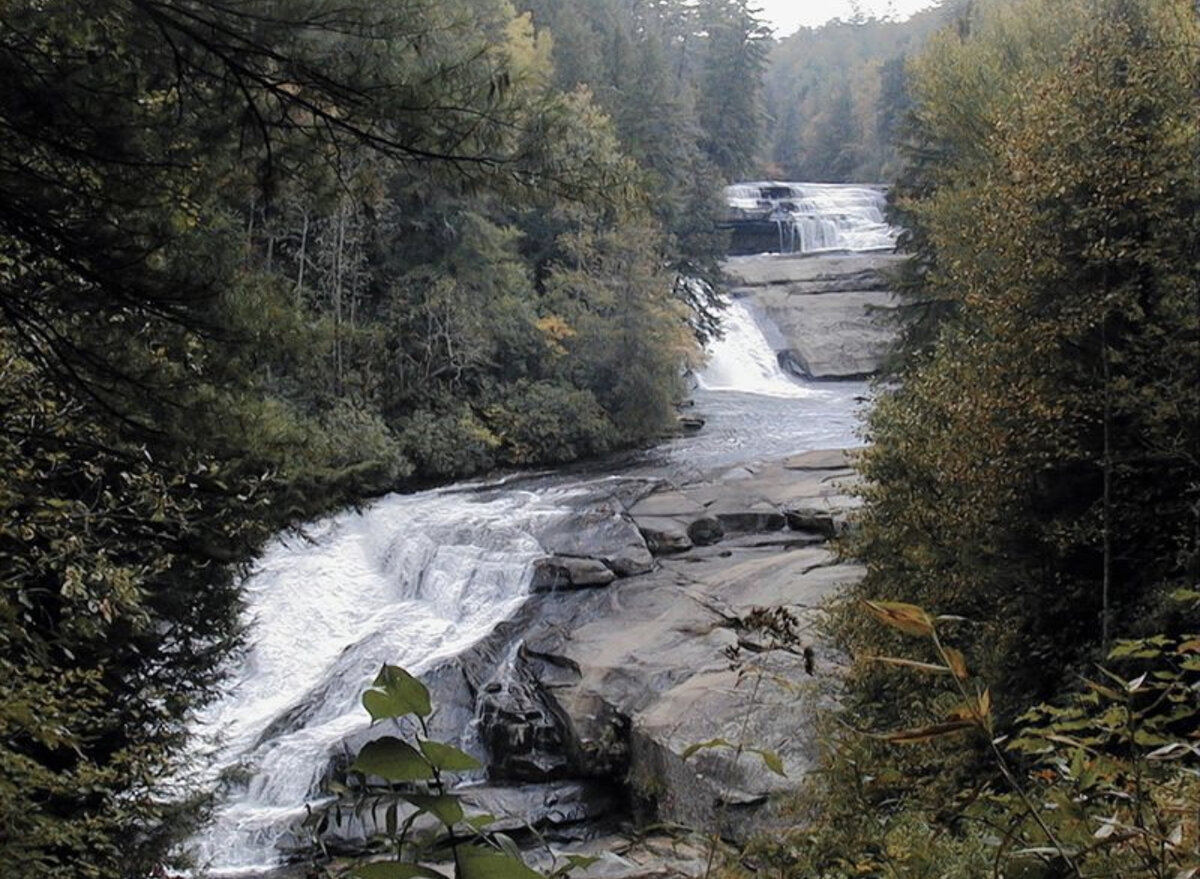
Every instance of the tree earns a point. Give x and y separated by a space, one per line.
197 333
1032 478
730 92
1013 469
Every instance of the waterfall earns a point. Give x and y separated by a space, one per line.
814 217
743 360
416 580
413 580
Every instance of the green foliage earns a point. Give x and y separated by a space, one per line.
1013 467
409 783
656 71
258 260
836 96
1029 472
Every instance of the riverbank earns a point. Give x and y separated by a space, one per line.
687 613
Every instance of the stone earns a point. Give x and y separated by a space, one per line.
828 312
525 736
705 531
661 661
667 503
739 515
566 572
664 534
602 533
819 459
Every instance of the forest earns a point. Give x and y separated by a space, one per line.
263 260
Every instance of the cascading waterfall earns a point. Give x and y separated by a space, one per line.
413 580
815 217
742 360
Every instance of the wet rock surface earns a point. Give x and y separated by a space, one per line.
715 644
830 310
584 704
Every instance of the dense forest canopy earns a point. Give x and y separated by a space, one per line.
261 259
1032 521
836 96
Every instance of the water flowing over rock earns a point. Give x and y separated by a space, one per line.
777 217
578 633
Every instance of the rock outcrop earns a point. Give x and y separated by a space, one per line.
683 686
830 310
695 650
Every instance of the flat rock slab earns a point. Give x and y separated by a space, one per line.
838 335
567 572
717 644
829 312
820 459
822 272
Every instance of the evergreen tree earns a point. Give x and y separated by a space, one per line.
206 335
1014 467
730 101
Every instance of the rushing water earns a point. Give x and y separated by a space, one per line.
815 217
415 579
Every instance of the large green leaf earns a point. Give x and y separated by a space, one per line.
448 758
392 759
396 693
478 863
446 807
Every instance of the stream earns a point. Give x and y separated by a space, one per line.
416 579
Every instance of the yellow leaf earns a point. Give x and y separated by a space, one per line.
985 705
957 663
908 618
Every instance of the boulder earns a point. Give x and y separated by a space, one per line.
602 533
525 735
705 531
663 661
738 514
567 572
667 503
828 313
664 534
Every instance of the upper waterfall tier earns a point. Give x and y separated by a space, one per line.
771 216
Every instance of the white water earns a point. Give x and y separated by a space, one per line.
411 581
416 579
816 217
743 361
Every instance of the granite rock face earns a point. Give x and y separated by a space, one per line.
699 627
695 650
829 311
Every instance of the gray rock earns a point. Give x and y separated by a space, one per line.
525 735
837 335
541 806
827 311
664 534
566 572
705 531
819 459
600 533
739 515
813 274
667 503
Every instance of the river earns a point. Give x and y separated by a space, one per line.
415 579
